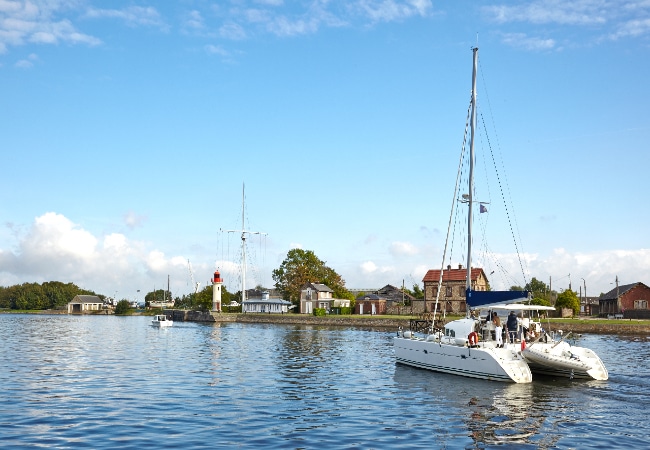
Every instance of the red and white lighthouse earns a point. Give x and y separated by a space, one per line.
216 291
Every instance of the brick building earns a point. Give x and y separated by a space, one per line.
630 300
452 295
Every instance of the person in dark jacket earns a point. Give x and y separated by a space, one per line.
512 326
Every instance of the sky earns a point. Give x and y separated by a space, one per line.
128 130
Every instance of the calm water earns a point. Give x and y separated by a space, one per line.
109 382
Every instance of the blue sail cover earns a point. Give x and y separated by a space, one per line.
477 299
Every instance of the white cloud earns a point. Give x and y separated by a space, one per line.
368 267
133 16
194 20
403 249
37 22
393 10
585 12
633 28
54 248
598 269
520 40
232 31
216 50
133 220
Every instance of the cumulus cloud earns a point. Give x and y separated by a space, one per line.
560 267
53 248
403 249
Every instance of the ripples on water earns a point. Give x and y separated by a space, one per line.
109 382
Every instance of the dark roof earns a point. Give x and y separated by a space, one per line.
318 287
394 294
86 299
611 295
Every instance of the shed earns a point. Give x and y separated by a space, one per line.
370 304
84 304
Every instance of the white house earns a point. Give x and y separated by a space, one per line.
265 304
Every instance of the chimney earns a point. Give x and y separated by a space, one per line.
449 267
460 266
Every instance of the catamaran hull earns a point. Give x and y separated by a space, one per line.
576 362
495 364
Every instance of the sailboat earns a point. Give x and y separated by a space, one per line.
456 348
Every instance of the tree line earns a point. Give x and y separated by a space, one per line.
34 296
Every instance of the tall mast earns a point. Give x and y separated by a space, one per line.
243 248
468 283
243 232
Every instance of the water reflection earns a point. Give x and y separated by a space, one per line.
491 413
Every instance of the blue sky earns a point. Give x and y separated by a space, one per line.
128 129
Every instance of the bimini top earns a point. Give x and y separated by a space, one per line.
478 299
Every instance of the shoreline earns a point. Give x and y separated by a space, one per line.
579 326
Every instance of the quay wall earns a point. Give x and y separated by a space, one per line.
587 326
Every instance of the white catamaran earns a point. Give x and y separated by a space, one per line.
469 347
456 349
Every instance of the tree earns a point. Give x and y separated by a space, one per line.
301 267
417 291
568 299
202 300
159 295
32 296
123 307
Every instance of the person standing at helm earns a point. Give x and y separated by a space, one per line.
512 326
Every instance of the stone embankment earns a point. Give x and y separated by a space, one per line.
377 322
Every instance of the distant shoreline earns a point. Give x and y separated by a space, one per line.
580 326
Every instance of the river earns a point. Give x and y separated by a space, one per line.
116 382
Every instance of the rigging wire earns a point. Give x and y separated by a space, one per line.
515 232
505 205
453 205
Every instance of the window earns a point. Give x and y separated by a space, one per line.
448 291
640 304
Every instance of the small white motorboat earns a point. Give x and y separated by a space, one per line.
559 358
161 321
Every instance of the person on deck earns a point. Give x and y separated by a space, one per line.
498 330
512 326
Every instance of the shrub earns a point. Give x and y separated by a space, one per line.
319 311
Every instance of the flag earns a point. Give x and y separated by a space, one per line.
483 208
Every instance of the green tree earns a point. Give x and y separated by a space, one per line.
202 300
301 267
568 299
123 307
159 295
34 296
417 291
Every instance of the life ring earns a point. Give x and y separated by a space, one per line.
473 338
